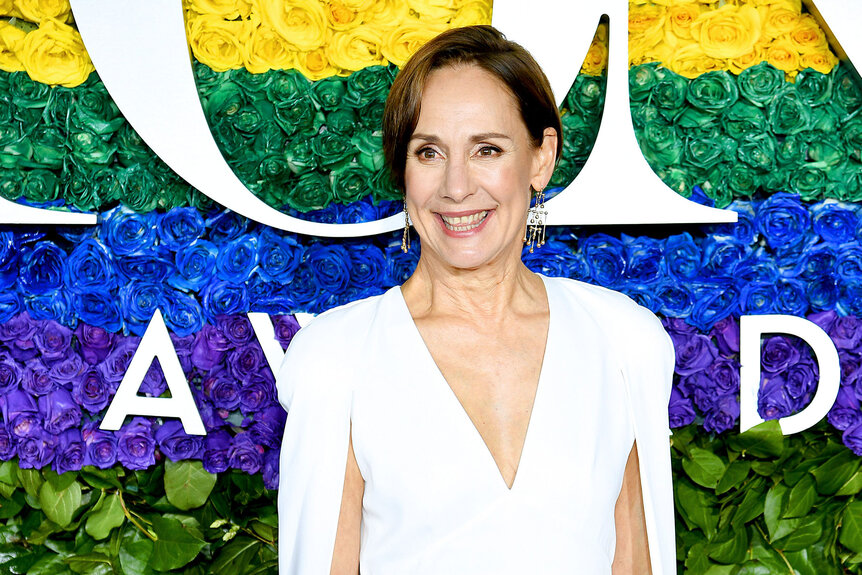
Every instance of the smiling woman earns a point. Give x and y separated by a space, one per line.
488 419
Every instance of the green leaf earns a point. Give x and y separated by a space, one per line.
60 506
135 552
773 507
9 508
802 498
703 467
105 516
763 440
49 565
235 557
697 563
733 477
729 546
9 474
31 481
850 535
59 482
751 507
699 506
853 485
806 533
187 483
175 545
836 472
101 478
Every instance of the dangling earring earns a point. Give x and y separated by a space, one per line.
405 237
534 234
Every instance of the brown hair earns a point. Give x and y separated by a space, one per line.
482 46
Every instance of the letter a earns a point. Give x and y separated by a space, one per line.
156 343
752 328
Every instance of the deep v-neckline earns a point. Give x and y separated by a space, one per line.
531 422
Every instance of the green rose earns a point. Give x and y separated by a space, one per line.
644 114
775 181
254 85
49 146
341 121
758 152
661 144
15 149
60 101
329 93
246 169
287 87
705 153
11 181
826 151
273 195
715 185
713 91
299 118
273 168
791 151
310 192
81 186
333 150
206 78
788 114
704 123
641 81
848 188
89 148
139 190
225 100
809 182
564 172
252 117
131 149
40 186
587 95
367 85
743 119
231 141
851 133
350 183
825 119
813 87
677 179
371 115
743 180
26 93
758 84
269 138
93 109
669 93
579 137
382 188
369 144
847 95
300 156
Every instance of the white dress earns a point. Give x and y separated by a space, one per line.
435 502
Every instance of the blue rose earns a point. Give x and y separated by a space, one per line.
271 297
643 295
183 313
224 298
721 256
744 230
179 227
757 298
713 303
127 232
42 268
331 265
368 265
57 305
822 293
8 260
644 259
783 220
399 266
278 256
225 226
176 444
237 259
850 298
815 262
10 305
357 212
138 302
682 257
89 268
791 298
848 265
152 267
758 266
835 222
195 266
99 309
605 258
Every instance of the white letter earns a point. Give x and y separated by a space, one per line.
155 343
751 329
14 213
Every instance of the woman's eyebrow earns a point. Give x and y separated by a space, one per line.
475 138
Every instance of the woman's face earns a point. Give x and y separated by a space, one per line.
470 165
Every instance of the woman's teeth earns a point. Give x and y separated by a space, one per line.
464 223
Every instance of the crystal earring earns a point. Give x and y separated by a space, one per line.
534 234
405 237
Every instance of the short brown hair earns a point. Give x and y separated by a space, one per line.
482 46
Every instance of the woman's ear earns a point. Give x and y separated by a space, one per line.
545 160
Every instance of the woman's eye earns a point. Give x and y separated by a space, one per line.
488 150
426 154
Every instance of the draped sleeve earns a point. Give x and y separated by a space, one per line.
315 386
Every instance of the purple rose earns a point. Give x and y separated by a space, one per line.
680 409
846 332
223 389
69 452
723 415
10 373
246 361
286 327
773 401
95 342
209 348
825 319
154 383
268 426
801 378
37 379
183 347
8 444
117 362
236 328
176 444
694 354
19 332
852 438
244 454
101 446
212 417
52 341
845 411
136 446
59 411
699 388
726 334
68 370
256 393
678 330
216 446
21 414
36 452
92 392
778 354
270 469
724 374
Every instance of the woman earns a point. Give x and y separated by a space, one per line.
480 418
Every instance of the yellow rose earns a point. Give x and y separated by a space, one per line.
472 13
301 22
341 17
11 39
646 26
314 64
783 55
596 61
756 56
267 50
227 9
388 14
823 61
404 40
7 8
778 22
355 49
691 61
680 18
602 33
670 3
728 32
218 43
38 10
362 5
808 37
55 54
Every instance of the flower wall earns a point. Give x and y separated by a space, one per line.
735 104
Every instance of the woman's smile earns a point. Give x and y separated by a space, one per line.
468 222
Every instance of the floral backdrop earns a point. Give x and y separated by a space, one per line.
741 105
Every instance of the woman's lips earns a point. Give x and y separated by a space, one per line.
464 223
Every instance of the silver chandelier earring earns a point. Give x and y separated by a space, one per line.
534 234
405 237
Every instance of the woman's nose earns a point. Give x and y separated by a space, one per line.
458 184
